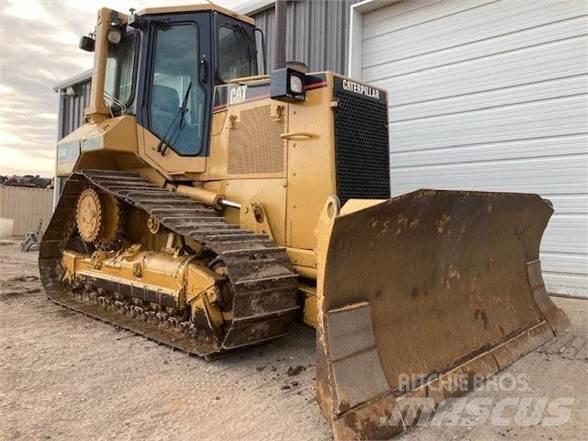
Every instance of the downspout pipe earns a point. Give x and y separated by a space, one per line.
280 33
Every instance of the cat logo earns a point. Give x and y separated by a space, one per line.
237 95
361 89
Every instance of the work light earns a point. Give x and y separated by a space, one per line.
287 84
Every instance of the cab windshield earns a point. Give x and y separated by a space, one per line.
118 83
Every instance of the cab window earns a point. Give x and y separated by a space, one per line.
236 53
118 83
177 108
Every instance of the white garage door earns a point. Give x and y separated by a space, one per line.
491 95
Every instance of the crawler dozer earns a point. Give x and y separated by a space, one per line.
206 205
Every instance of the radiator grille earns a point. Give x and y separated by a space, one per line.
255 145
361 146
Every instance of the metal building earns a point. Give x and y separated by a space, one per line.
481 95
74 94
317 31
489 96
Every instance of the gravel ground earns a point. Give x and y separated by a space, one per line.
64 376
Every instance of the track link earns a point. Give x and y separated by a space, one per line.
261 277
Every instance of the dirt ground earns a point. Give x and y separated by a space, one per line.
64 376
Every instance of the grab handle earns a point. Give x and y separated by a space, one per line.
299 135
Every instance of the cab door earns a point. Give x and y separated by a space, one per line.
175 98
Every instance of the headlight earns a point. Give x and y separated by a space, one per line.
288 84
114 36
296 84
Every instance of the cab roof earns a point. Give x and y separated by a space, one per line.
196 7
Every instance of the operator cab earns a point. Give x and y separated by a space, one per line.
163 64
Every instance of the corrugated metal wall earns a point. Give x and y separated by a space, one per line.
26 206
74 96
71 107
318 33
488 97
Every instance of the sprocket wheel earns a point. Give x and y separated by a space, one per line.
98 218
89 215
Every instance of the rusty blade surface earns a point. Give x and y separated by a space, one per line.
435 279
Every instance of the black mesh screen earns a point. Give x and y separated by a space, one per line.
361 144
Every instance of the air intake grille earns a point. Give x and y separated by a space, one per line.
361 143
255 145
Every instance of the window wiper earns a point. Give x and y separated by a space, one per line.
184 106
165 140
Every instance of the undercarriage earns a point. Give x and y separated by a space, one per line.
122 250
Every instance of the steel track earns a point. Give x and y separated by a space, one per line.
261 277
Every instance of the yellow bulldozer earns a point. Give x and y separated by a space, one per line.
207 205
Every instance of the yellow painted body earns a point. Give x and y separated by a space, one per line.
142 269
183 280
273 155
292 193
274 158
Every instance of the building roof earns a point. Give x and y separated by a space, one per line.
252 7
72 81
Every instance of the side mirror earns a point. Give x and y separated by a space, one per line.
87 43
288 84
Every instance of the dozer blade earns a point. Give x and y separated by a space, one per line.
422 296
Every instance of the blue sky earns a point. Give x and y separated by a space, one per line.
38 49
